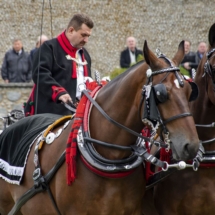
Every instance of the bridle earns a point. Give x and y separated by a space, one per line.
160 89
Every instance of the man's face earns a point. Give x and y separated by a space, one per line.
202 48
131 43
80 37
17 46
186 47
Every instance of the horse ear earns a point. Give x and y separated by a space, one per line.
211 35
179 54
149 56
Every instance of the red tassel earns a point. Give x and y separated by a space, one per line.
73 169
71 149
68 162
68 174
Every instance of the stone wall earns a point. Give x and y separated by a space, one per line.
13 96
163 23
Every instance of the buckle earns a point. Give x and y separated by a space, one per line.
36 174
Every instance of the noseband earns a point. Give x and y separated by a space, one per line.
159 96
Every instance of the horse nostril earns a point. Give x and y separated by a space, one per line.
190 150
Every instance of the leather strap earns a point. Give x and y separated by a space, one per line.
176 117
37 189
112 120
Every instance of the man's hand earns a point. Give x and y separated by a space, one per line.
65 98
187 66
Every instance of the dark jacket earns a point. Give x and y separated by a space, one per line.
191 59
125 60
16 68
55 79
32 52
197 60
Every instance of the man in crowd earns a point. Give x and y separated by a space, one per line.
40 40
130 54
202 48
59 69
191 59
16 65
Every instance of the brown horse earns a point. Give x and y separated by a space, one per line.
120 99
187 192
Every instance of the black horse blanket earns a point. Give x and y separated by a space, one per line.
16 142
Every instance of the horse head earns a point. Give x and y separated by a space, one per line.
172 94
209 65
157 97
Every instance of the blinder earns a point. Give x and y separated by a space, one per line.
195 91
160 93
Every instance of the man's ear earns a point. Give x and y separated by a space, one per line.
70 29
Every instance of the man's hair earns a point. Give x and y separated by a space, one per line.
188 41
16 39
41 37
78 19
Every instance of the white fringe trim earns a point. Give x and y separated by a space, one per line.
11 170
14 170
154 128
10 181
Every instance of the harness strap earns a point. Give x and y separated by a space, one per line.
50 127
34 190
138 151
128 148
158 177
142 152
209 125
208 141
177 117
107 174
112 120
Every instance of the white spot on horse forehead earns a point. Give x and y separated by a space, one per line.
176 83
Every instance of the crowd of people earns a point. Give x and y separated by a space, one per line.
58 66
191 59
130 54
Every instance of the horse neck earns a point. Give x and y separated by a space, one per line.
120 99
203 105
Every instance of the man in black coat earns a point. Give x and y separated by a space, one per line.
130 54
59 69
